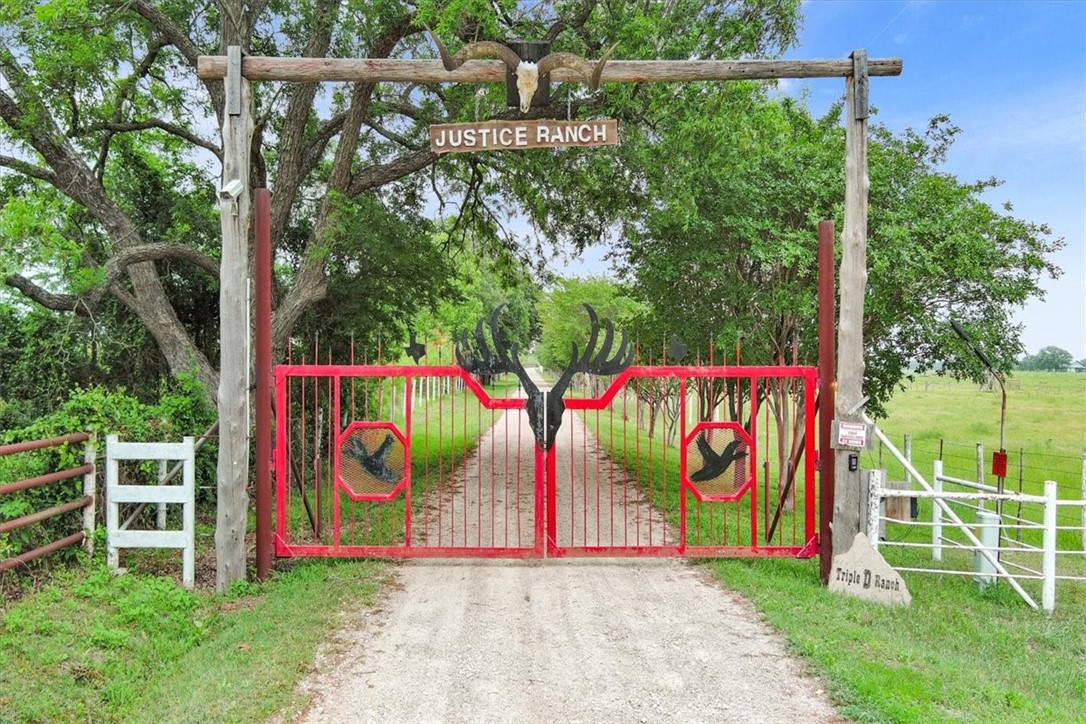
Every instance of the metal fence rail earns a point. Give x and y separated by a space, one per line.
86 502
1027 546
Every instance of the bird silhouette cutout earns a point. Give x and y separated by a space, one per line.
376 463
713 464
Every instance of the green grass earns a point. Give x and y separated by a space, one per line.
957 653
92 646
954 654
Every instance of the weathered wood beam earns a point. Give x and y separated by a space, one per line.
853 285
311 70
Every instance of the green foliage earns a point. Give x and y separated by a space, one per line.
725 253
1048 359
565 322
99 647
384 268
181 410
482 284
107 140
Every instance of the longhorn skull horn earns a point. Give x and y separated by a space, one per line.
527 73
592 72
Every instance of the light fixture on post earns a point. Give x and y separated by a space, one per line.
231 191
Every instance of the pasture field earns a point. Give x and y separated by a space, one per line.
1045 427
957 652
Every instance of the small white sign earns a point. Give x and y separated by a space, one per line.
852 434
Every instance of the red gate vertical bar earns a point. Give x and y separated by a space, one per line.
682 464
827 353
408 403
545 473
334 423
754 462
809 533
262 271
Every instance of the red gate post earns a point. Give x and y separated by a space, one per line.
828 388
264 381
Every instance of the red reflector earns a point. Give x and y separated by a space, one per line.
999 464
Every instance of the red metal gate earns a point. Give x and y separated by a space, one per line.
375 460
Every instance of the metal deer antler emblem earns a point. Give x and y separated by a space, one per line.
545 409
527 73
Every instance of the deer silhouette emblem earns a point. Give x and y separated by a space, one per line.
545 409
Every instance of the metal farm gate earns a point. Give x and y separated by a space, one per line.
481 459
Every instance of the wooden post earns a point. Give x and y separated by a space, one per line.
90 488
234 209
850 340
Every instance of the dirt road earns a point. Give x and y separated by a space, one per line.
584 640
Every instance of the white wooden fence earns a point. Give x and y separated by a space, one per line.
118 535
1010 557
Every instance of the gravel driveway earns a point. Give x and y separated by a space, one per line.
598 640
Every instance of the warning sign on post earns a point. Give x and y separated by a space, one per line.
851 435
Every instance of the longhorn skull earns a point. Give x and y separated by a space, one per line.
527 72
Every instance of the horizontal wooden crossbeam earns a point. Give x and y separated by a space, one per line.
310 70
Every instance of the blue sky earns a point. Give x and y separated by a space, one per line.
1012 76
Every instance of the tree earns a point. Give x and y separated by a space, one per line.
84 80
726 253
565 322
1048 359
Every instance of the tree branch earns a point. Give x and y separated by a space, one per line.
173 130
176 38
392 135
576 23
47 299
120 261
381 174
28 169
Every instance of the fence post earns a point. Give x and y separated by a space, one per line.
113 555
874 497
1048 566
89 489
909 457
980 468
160 514
937 514
1083 508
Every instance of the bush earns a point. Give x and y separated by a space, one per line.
181 410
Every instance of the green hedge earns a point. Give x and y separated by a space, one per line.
181 410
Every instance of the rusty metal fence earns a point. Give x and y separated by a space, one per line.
85 503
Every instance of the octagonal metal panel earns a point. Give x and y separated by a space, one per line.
372 463
719 461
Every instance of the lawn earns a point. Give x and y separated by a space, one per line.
957 652
92 646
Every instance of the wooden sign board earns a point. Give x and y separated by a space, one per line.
514 135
